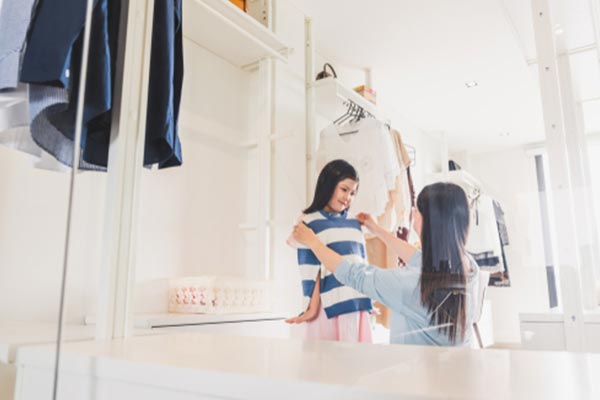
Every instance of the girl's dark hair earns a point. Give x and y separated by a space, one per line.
445 211
331 174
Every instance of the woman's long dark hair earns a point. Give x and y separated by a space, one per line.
331 174
445 211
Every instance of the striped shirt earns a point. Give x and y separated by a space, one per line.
344 236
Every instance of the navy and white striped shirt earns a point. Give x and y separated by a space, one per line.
344 236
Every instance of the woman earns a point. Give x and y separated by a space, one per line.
433 297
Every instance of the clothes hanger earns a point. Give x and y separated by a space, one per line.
345 115
355 111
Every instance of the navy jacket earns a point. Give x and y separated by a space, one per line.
53 58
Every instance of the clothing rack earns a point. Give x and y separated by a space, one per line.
462 178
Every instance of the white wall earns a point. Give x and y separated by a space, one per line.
33 211
509 176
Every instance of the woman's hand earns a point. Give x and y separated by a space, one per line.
304 235
367 221
306 316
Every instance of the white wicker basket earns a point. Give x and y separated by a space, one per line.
218 295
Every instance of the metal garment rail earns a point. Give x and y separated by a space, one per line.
70 204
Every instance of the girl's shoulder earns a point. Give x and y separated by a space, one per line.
320 221
311 217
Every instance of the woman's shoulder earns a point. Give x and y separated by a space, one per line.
416 260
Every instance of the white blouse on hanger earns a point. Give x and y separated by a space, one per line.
370 151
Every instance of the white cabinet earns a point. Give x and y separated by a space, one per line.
545 331
543 335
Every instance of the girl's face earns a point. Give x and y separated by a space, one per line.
343 196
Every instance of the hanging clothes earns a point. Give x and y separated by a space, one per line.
14 20
52 65
501 221
369 149
501 278
396 214
397 208
14 112
484 239
166 81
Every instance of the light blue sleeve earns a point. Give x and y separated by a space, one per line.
384 285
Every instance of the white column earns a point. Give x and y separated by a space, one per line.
595 15
556 143
369 77
265 131
312 139
581 187
124 167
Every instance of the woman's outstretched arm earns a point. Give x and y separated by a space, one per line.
403 249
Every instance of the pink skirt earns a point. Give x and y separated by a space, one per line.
353 327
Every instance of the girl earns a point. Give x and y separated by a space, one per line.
432 298
333 311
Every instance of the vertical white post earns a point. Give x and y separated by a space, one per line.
369 77
265 131
595 14
581 187
124 167
312 140
568 258
270 6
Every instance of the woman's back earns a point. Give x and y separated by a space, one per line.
411 320
399 289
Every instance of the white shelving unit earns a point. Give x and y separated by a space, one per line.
237 38
229 33
330 96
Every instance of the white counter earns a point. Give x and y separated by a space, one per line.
197 366
15 334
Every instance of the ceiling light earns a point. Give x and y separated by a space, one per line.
504 134
471 84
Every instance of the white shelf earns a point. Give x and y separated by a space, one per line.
229 33
149 321
330 96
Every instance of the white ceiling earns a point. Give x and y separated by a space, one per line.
423 52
